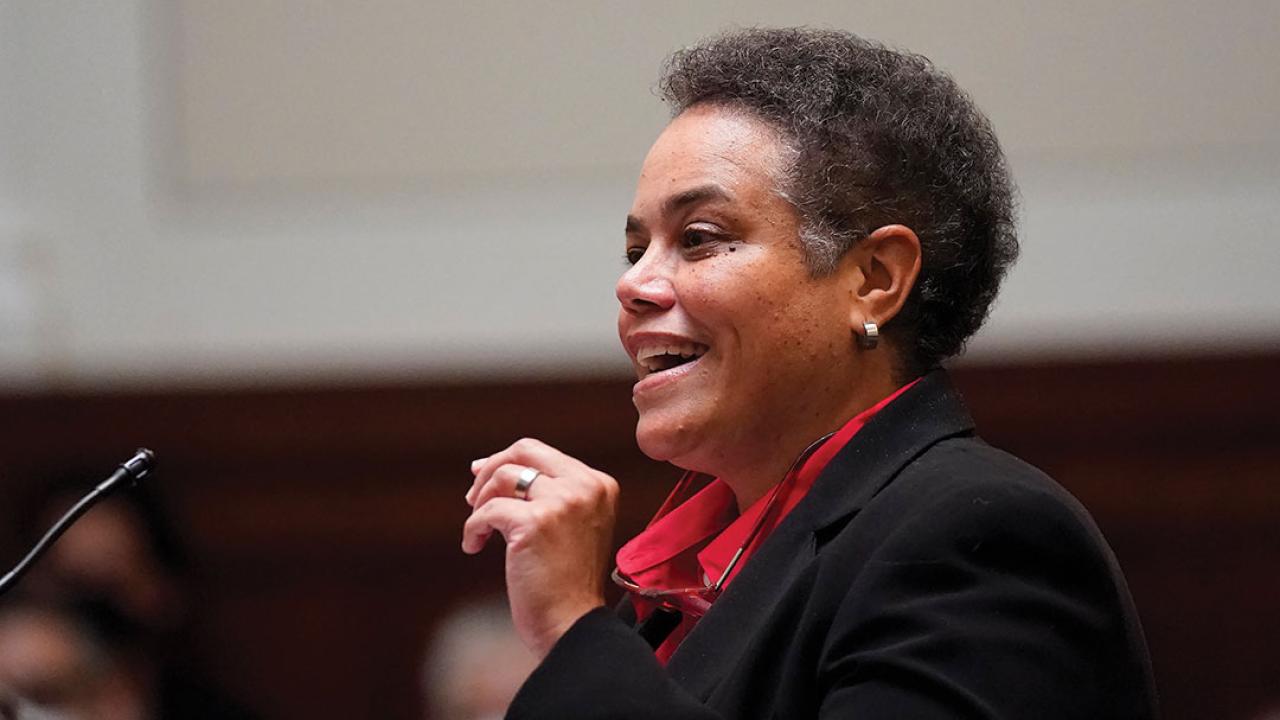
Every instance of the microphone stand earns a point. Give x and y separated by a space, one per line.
129 472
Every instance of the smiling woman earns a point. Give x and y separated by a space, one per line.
821 224
718 264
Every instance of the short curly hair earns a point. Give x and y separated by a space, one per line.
874 136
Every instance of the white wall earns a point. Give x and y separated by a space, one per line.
200 191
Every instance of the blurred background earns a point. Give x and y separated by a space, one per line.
318 254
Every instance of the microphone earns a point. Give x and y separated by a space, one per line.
129 473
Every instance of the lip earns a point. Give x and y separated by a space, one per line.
652 381
634 341
662 378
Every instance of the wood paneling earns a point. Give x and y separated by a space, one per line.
325 521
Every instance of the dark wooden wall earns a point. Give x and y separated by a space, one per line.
325 520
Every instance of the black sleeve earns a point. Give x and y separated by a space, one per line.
601 669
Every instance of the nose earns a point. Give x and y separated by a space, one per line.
647 285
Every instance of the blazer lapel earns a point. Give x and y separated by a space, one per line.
922 416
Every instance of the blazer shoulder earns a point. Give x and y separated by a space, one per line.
967 468
963 487
970 547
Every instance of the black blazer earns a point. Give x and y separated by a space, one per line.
925 575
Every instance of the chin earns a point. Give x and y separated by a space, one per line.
662 439
655 444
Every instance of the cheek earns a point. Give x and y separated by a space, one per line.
801 330
728 294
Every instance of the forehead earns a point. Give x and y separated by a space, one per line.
712 145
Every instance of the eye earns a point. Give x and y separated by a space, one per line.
699 239
695 238
634 254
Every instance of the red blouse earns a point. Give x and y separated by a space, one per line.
691 544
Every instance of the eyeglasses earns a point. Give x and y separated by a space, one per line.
696 601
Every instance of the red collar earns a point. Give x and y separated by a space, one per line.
690 544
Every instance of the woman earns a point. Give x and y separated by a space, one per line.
821 224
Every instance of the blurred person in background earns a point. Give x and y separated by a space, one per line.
57 667
474 663
121 560
821 225
116 582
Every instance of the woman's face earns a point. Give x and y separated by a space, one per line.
731 338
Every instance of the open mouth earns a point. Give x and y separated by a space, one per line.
658 358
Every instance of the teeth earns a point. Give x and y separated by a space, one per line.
648 354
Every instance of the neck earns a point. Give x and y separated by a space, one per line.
760 463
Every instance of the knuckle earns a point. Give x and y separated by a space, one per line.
540 516
606 486
578 499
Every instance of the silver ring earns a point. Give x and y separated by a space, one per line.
527 476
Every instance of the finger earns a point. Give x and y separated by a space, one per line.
503 481
529 453
476 465
503 515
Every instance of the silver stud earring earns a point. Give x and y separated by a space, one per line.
870 336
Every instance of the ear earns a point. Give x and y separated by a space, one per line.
887 265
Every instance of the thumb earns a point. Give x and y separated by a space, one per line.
504 515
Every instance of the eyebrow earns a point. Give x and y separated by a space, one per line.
680 200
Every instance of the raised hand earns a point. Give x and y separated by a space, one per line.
558 526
